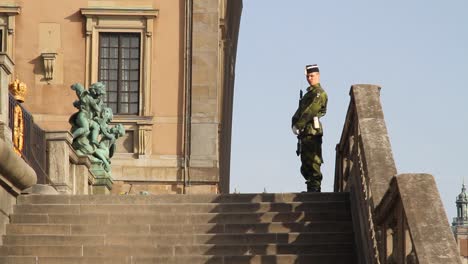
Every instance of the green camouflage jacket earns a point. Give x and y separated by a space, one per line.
313 104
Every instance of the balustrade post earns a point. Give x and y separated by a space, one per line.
58 162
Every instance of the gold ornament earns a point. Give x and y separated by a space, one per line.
18 129
18 90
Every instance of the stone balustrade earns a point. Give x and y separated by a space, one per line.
396 218
15 176
69 173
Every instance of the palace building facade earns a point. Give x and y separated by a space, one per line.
168 67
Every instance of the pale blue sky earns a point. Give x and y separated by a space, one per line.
416 50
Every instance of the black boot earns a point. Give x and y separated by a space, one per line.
311 188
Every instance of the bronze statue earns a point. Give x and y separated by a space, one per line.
92 135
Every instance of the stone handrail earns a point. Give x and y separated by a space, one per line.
412 220
390 213
15 176
14 171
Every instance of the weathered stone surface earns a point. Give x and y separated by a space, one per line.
12 180
379 163
204 6
194 199
41 251
6 68
18 260
81 175
180 228
366 168
14 171
42 189
206 22
58 148
37 229
428 224
5 133
54 240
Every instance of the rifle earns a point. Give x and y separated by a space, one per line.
299 142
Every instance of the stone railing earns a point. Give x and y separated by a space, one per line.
28 139
15 174
397 219
70 173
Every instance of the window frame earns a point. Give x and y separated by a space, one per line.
116 20
7 24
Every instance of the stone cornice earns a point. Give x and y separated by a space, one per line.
11 10
59 136
6 62
100 11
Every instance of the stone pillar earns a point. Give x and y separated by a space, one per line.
81 179
80 173
102 179
58 151
204 158
6 68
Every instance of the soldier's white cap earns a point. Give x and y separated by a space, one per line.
311 68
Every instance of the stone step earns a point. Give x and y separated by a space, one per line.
286 227
171 198
182 208
179 239
221 229
196 218
174 250
253 259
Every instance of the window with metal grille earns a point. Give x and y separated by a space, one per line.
119 70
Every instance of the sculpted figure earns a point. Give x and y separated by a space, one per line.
85 129
106 147
92 135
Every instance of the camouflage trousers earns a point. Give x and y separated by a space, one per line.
311 158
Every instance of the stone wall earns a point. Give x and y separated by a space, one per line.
7 200
151 156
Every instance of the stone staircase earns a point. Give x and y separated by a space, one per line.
186 229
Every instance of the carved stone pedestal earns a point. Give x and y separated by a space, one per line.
102 183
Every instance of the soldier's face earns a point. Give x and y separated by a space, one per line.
313 78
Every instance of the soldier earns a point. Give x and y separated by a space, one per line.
306 125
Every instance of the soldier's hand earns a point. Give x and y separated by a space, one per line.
295 130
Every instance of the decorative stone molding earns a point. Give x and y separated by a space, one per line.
142 130
49 63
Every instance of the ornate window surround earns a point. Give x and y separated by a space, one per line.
7 24
125 20
121 20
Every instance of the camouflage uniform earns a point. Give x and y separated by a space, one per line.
313 104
